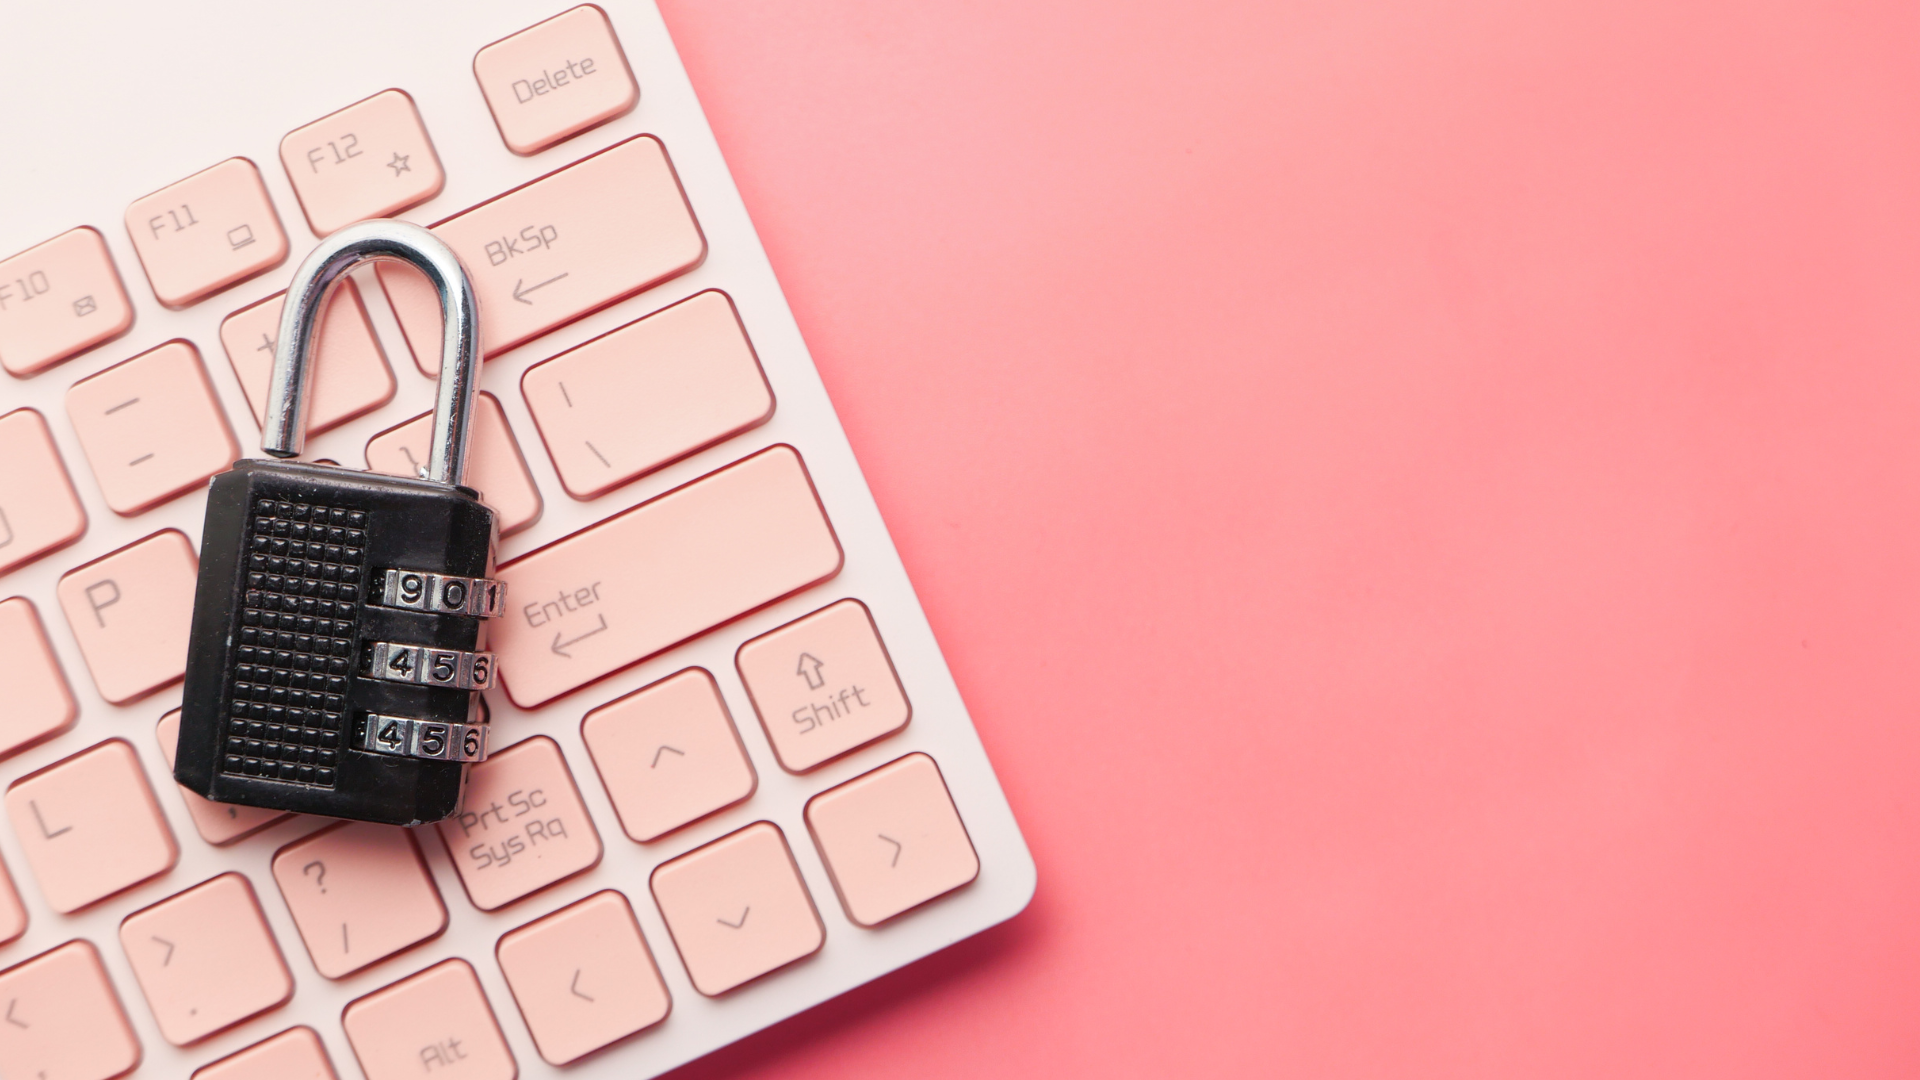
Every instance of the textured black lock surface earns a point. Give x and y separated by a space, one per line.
274 696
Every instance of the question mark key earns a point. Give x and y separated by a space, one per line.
358 893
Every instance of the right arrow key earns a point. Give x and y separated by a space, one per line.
892 839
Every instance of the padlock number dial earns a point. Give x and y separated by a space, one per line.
441 594
455 669
403 736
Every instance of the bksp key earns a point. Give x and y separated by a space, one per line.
338 623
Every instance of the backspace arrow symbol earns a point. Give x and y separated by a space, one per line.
521 288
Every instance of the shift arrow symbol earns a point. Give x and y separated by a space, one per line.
521 288
560 647
809 670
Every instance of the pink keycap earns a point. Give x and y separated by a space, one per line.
59 299
892 839
13 914
737 908
35 702
359 893
89 826
583 978
556 79
294 1054
371 159
350 374
63 1020
436 1023
205 959
151 427
569 243
521 825
649 578
668 754
130 612
646 394
214 229
495 466
218 823
39 510
823 685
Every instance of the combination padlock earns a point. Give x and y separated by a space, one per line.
338 634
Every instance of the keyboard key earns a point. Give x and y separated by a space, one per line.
218 823
151 427
130 612
668 754
63 1020
350 375
646 394
521 826
436 1023
892 839
823 685
205 959
737 908
294 1054
371 159
214 229
359 893
658 574
89 826
495 466
39 510
59 299
35 702
556 79
13 914
567 244
583 978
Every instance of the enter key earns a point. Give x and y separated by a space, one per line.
660 573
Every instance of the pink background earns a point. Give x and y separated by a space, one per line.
1420 496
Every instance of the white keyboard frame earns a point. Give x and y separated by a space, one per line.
107 107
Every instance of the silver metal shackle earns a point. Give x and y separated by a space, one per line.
292 379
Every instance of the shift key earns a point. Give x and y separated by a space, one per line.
567 244
660 573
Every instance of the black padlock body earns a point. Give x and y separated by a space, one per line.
272 705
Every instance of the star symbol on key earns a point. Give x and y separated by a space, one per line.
399 163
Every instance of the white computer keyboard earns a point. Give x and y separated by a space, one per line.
732 776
